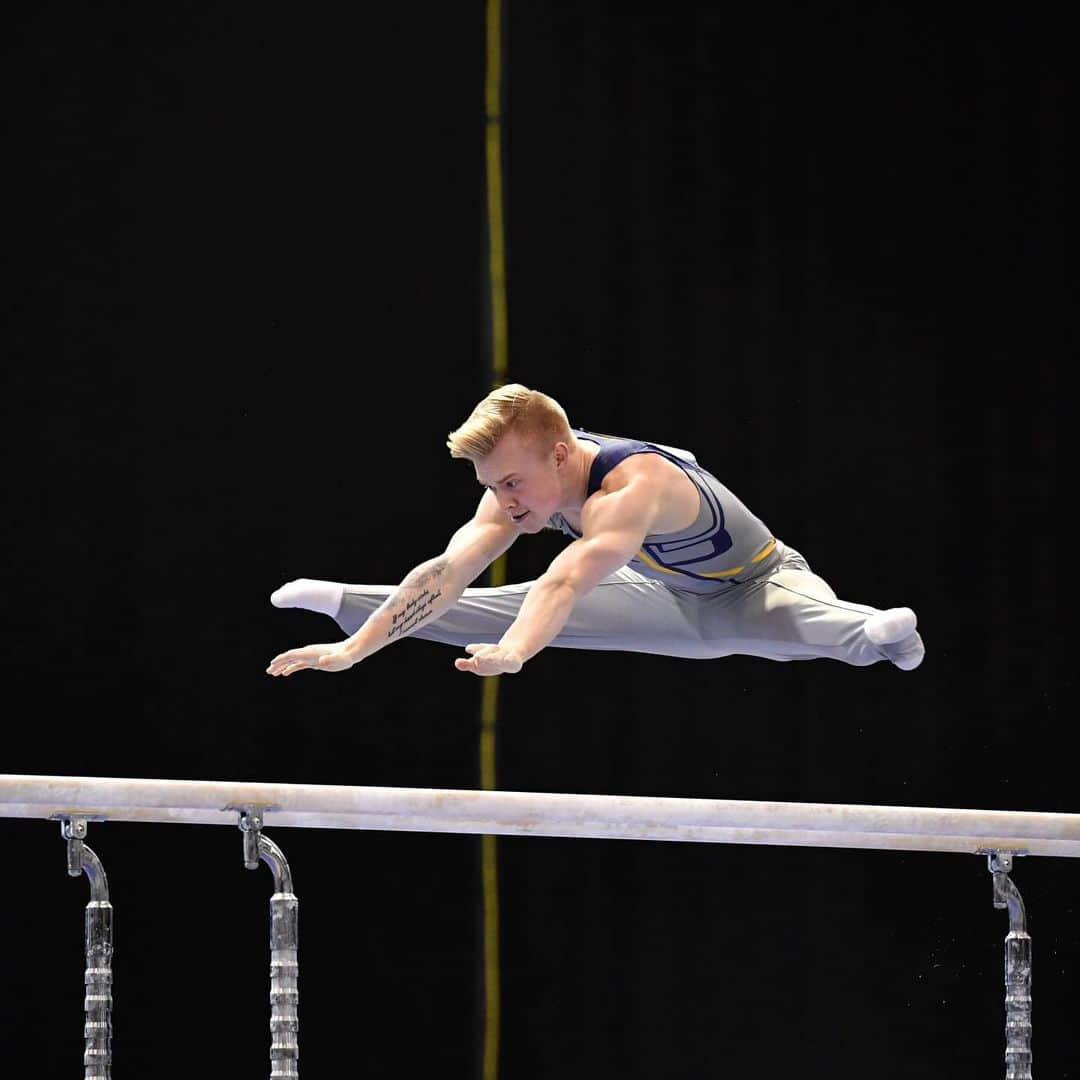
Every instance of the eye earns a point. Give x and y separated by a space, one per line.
512 483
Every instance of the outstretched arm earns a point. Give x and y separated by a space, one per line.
614 526
424 594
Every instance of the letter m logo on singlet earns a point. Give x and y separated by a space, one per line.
695 555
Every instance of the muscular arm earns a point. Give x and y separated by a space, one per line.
433 586
424 594
613 528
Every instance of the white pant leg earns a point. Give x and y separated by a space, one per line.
624 612
789 614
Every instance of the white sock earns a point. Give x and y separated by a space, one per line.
321 596
907 654
895 624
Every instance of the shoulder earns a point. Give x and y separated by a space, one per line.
641 469
635 486
649 488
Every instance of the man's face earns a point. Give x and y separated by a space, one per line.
525 479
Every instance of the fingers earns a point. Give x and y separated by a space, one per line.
469 665
287 663
484 660
315 657
475 662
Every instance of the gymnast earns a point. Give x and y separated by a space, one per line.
662 559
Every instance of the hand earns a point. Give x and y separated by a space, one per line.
489 660
319 657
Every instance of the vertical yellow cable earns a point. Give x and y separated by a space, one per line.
497 573
496 235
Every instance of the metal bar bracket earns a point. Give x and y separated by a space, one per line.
73 828
252 818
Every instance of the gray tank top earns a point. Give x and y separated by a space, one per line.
725 545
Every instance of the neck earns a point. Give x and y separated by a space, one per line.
578 465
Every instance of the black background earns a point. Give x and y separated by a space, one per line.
825 251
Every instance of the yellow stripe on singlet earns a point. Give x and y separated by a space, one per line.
713 574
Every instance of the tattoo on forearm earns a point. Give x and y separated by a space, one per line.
412 601
413 614
426 574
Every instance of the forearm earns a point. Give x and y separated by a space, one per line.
543 614
426 592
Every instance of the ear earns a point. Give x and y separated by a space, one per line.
562 454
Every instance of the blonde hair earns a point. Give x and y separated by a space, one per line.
512 407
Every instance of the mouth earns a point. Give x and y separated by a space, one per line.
519 518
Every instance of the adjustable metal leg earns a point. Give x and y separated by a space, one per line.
1017 970
284 934
97 1053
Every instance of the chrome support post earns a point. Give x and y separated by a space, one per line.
1017 969
284 940
97 1031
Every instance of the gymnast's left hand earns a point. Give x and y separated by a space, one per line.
331 657
489 660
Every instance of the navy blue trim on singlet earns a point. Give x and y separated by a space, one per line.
612 452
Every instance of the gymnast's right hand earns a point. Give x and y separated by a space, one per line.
332 657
